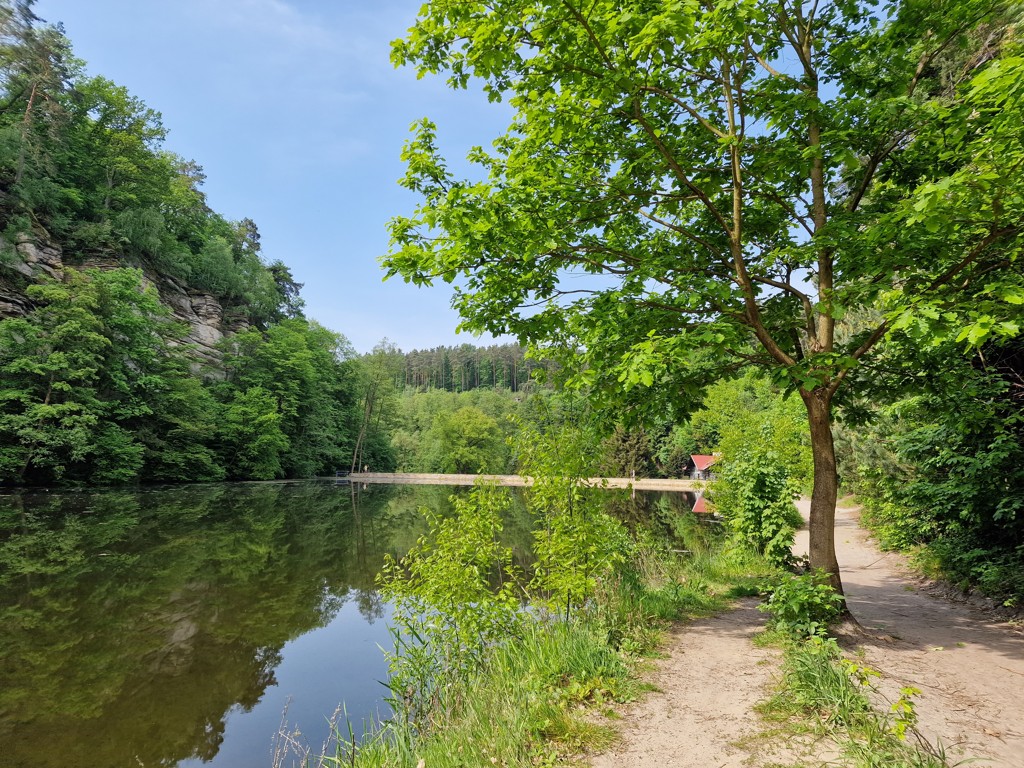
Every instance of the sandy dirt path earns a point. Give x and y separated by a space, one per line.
969 667
709 682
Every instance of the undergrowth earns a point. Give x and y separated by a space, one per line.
825 694
526 687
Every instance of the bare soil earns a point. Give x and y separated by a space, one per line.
968 664
707 686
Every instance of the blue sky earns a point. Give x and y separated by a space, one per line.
296 114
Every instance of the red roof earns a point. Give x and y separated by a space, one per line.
703 461
699 506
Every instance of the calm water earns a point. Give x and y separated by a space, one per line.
175 627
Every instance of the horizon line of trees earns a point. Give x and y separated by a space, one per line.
465 367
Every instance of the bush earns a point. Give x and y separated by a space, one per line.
755 495
804 605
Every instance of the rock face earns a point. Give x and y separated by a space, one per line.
36 259
29 260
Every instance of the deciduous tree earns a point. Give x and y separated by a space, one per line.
733 177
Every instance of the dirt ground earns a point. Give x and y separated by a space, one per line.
708 683
969 666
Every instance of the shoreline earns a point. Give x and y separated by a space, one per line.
521 481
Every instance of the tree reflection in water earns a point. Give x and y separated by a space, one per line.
134 622
139 626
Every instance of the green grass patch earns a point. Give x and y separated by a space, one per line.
821 692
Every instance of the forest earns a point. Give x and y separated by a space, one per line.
785 235
100 384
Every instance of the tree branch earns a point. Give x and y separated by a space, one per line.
677 169
683 105
953 271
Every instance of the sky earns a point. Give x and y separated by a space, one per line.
298 118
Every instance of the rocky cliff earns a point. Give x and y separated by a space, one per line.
29 260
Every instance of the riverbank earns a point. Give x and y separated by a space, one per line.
520 481
549 696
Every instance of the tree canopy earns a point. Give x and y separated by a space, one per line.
82 163
685 188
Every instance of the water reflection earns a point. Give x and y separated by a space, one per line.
133 623
168 627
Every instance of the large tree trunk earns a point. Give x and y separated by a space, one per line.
826 486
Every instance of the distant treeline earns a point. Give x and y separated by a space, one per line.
465 367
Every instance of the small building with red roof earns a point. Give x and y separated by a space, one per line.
700 466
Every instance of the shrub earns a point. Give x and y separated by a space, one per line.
755 495
804 605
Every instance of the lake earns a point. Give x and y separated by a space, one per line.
182 626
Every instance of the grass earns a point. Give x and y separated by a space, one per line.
522 710
538 699
824 695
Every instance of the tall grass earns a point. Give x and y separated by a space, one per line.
821 685
532 699
521 709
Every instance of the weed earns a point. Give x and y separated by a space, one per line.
821 687
804 605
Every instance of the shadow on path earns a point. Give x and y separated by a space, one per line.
969 666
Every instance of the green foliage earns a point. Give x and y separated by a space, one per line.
78 372
803 605
251 438
118 456
943 473
679 194
467 441
755 495
675 448
375 376
750 413
448 615
81 158
310 374
97 388
213 268
180 435
578 543
627 453
466 367
428 436
50 363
